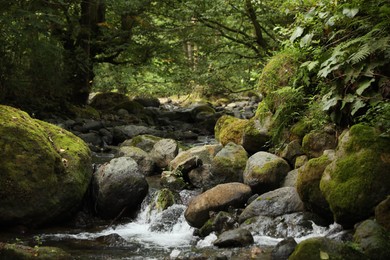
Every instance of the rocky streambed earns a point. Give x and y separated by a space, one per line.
162 187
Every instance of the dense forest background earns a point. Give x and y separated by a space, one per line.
322 61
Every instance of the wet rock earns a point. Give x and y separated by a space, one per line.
265 171
119 188
216 199
45 170
373 239
173 180
92 138
218 223
359 178
274 203
382 213
164 151
163 199
228 165
324 248
112 240
21 252
284 249
234 238
165 221
122 133
144 161
289 225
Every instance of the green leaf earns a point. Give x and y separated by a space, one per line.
306 40
358 104
364 85
297 33
347 99
324 255
350 12
327 104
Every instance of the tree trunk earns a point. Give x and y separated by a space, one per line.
92 13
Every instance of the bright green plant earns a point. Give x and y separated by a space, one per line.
349 50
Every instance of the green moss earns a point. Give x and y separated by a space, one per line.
354 184
301 128
164 199
324 248
230 129
279 71
36 156
85 112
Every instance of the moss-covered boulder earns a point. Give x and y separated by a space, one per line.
164 198
256 134
230 129
279 71
21 252
373 239
228 164
44 170
316 142
308 185
265 171
359 178
324 248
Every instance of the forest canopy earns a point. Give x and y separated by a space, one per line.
335 53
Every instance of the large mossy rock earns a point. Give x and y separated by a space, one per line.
308 185
230 129
359 178
324 248
252 134
44 170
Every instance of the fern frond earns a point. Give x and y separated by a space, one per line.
360 55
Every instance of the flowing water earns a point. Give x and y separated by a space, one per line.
157 235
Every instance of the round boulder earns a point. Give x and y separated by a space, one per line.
228 164
359 178
44 170
308 185
119 188
265 171
216 199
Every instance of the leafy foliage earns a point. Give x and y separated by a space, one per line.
349 54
